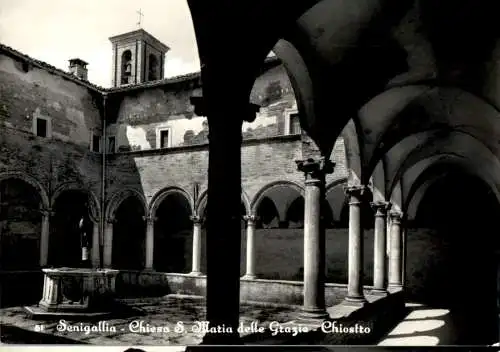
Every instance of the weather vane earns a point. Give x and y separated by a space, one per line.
140 18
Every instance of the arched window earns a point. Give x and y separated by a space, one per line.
126 67
153 68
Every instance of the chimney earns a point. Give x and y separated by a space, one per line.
78 67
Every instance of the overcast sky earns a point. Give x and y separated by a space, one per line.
55 31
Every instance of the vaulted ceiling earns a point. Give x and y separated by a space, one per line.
419 80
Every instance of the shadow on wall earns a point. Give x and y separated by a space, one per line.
20 225
173 235
20 230
126 206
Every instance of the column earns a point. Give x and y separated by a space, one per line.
355 294
404 254
44 238
250 270
497 262
108 243
95 256
379 247
224 199
196 259
395 253
314 237
150 241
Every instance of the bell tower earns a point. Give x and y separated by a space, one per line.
138 57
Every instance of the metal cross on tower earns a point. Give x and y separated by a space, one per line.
141 15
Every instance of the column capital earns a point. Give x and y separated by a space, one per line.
149 219
47 211
196 219
396 216
315 168
355 193
381 207
250 219
111 220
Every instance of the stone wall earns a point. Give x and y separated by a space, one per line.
137 283
28 92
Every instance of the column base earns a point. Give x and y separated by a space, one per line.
358 301
379 292
249 277
313 314
196 273
394 287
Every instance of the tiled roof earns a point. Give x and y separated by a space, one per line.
57 71
171 80
161 82
50 68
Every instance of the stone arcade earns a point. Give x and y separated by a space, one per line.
366 146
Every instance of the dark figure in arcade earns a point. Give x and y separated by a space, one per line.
83 226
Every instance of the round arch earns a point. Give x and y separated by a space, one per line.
118 197
336 198
353 155
164 193
300 79
202 202
414 198
259 196
31 181
378 182
94 206
423 174
246 201
419 108
340 181
411 206
281 194
421 146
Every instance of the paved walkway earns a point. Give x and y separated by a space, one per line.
425 326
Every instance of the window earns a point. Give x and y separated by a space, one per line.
126 67
111 144
41 127
153 68
96 141
164 139
294 124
